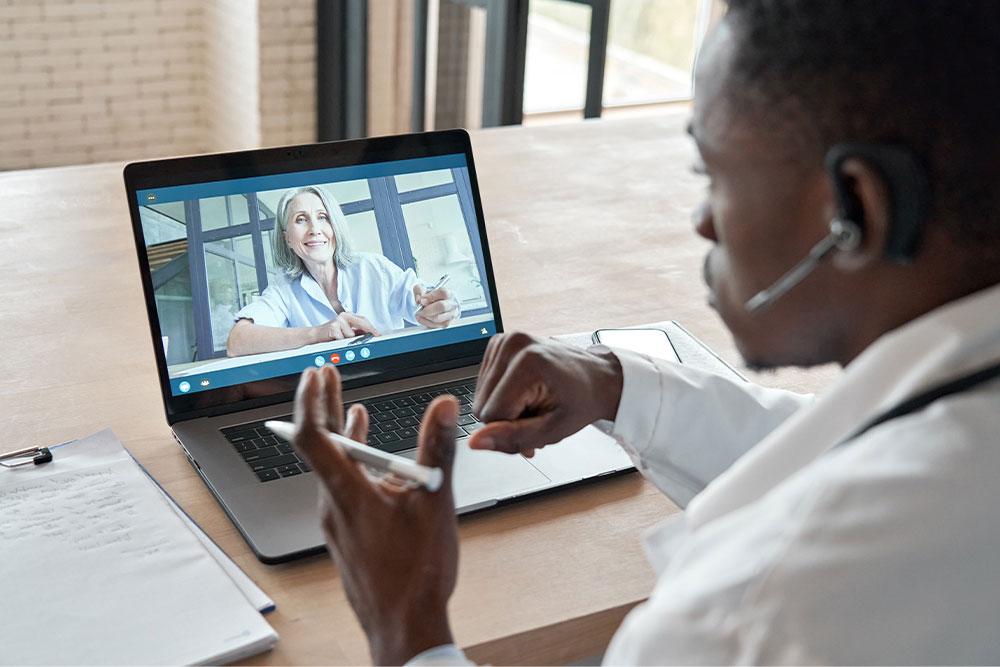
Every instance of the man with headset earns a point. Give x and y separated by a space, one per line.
859 527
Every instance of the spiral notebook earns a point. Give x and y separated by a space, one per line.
99 568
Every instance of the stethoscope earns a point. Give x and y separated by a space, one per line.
922 400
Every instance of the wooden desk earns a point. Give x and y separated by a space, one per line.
588 225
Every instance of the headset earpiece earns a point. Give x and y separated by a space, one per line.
908 187
909 206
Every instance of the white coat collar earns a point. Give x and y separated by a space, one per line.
945 343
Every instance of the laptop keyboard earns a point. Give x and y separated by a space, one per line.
394 421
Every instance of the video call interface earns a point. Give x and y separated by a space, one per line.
263 277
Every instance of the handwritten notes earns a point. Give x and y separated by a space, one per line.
98 569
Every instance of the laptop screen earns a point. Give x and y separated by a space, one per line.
261 277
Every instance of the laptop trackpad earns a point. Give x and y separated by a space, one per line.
482 476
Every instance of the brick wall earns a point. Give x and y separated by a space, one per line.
98 80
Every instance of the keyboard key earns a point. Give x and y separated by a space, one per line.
285 448
305 467
386 438
289 470
404 402
383 406
464 409
373 428
267 475
408 421
243 446
389 425
277 461
465 400
471 428
252 455
460 391
264 453
382 417
423 399
407 433
263 432
465 420
400 445
403 412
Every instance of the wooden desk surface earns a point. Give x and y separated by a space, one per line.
588 224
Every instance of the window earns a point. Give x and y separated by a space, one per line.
648 60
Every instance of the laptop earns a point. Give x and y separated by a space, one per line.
209 232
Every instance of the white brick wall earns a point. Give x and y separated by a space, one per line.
96 80
89 80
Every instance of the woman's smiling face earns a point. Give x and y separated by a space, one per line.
308 229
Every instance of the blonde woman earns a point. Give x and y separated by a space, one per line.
326 290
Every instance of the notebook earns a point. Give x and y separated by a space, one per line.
98 568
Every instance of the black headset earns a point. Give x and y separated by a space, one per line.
909 193
909 207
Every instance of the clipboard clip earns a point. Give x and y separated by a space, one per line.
24 457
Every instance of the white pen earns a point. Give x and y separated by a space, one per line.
442 281
430 478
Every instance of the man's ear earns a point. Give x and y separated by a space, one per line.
870 208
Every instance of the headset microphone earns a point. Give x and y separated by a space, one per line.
905 177
845 235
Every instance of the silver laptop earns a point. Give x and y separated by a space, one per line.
232 251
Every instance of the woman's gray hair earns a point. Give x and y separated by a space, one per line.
287 260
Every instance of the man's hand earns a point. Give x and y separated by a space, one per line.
345 325
437 308
534 392
396 546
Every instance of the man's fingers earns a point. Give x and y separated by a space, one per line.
334 403
357 423
418 291
487 370
517 390
338 473
517 436
499 352
310 407
436 444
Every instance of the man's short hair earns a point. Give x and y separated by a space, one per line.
921 73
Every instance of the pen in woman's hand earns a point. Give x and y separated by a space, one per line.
442 281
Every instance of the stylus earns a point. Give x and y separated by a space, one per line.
442 281
381 461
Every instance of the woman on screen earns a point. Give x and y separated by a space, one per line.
326 291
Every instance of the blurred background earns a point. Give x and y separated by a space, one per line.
110 80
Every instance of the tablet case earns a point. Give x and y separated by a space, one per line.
691 351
